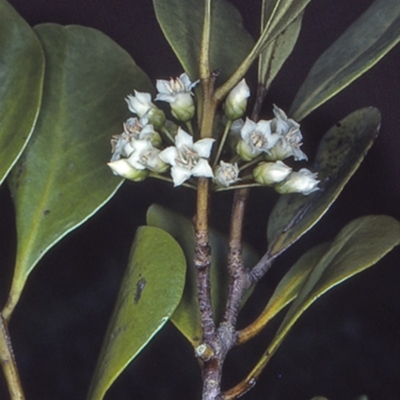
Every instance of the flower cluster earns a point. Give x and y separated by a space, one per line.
139 151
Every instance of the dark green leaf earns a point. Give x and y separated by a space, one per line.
21 82
62 177
182 24
276 53
187 316
339 154
151 290
361 244
364 43
279 14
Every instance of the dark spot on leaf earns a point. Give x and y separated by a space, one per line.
141 283
46 212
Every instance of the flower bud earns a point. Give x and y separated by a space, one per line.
140 104
303 181
270 173
226 174
236 102
244 151
156 117
125 170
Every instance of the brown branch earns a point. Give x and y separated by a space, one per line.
9 364
239 276
202 261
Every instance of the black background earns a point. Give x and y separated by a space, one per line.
346 345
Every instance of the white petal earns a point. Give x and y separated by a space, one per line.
203 147
203 169
143 97
248 127
185 80
180 175
169 98
169 155
163 86
183 139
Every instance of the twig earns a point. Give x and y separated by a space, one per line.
9 364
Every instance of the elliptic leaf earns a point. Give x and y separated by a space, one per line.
363 44
187 316
151 289
62 177
21 83
276 53
339 154
359 245
182 24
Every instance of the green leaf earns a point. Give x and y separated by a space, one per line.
62 178
151 289
360 244
278 15
339 154
276 53
21 81
291 283
285 292
187 316
363 44
182 24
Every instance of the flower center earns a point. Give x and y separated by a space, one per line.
187 158
258 140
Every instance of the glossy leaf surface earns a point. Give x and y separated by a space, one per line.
360 244
182 24
151 289
276 53
339 154
21 83
364 43
62 177
187 316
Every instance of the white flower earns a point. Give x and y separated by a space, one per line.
122 145
290 137
226 174
236 102
140 104
188 159
257 138
141 130
269 173
178 92
303 181
124 169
